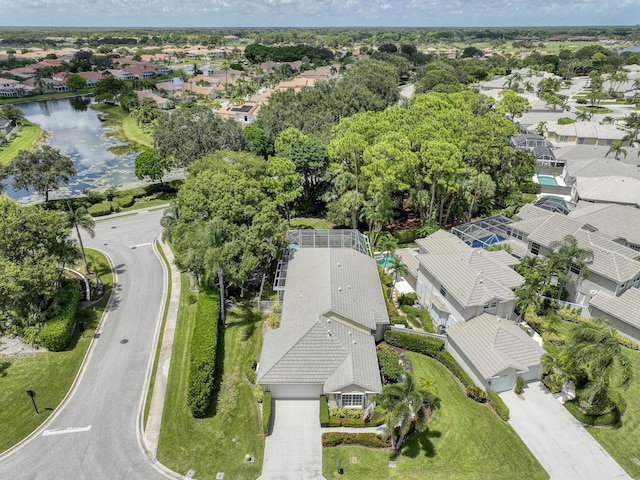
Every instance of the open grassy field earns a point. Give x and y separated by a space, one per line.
49 374
232 427
465 440
28 134
622 441
130 130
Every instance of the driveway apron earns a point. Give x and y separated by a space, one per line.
560 443
293 451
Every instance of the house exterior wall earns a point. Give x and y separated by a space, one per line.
624 328
334 399
597 282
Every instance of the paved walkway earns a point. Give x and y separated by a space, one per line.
559 442
293 450
154 420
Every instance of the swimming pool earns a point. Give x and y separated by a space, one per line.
546 180
385 260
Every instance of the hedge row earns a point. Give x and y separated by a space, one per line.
100 209
421 314
434 348
55 333
406 236
202 359
498 405
571 316
124 201
333 439
324 411
266 412
611 418
389 361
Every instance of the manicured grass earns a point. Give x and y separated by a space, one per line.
49 374
130 129
465 440
232 427
164 200
27 135
310 224
622 442
589 109
529 197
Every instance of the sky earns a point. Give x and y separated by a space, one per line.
317 13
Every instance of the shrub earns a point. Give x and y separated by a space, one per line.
565 121
498 405
333 439
416 343
266 412
258 394
250 371
398 320
324 411
273 320
408 298
519 386
202 360
627 342
100 209
530 187
124 201
476 393
56 333
611 418
391 308
389 361
553 383
407 236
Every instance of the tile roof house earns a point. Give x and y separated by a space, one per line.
333 312
494 352
456 282
607 189
584 133
620 221
623 311
598 167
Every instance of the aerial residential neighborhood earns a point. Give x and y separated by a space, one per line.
318 253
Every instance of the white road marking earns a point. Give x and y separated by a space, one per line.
140 245
63 431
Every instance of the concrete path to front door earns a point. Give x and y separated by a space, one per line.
293 450
559 442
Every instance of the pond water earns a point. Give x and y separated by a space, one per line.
78 134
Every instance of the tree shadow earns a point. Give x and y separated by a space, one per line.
247 319
418 442
3 368
119 269
217 374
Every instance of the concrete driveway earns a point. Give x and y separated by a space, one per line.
559 442
293 451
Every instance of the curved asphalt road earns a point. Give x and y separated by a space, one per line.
108 396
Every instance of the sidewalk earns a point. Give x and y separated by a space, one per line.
152 432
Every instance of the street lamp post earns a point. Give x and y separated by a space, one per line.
32 394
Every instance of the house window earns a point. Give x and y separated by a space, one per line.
443 291
352 400
608 141
575 269
535 248
563 138
490 306
580 140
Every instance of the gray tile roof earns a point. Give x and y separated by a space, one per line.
612 189
492 345
409 257
576 152
625 308
529 210
600 167
620 221
463 277
308 347
441 241
518 248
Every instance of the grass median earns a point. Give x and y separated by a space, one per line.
49 374
28 134
232 427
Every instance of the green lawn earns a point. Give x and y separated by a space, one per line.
44 96
49 374
622 442
27 135
465 440
130 129
232 428
303 223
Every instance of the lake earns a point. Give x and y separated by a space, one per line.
83 137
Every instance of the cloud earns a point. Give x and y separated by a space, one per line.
266 13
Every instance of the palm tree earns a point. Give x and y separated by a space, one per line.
594 347
407 405
616 149
169 220
565 255
80 218
396 266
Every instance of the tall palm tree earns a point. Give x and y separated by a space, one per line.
407 405
80 218
594 347
616 149
566 255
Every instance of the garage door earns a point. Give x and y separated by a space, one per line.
502 384
296 391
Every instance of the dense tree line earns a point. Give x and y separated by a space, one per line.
257 53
